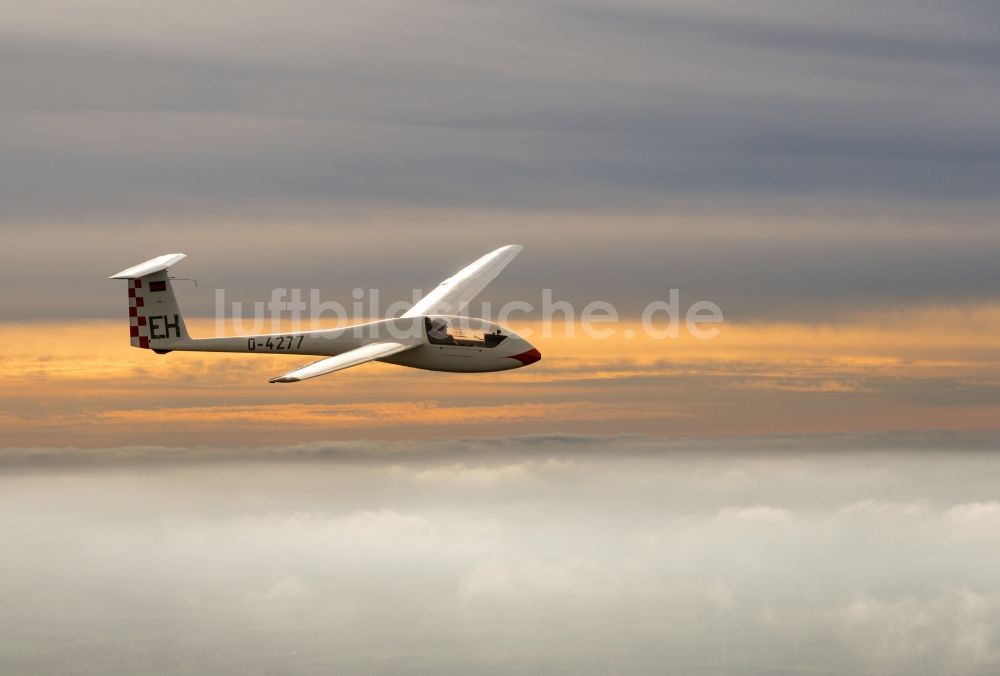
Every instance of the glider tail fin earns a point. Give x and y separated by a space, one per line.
155 320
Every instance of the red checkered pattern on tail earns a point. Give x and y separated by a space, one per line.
138 327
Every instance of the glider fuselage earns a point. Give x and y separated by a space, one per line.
473 346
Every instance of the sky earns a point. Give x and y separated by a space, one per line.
812 489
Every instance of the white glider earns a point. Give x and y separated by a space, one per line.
431 335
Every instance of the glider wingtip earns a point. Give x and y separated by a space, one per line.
284 379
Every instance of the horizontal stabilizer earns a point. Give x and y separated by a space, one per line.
360 355
149 267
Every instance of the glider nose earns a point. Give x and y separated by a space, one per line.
528 357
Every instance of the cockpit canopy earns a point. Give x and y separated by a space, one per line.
463 331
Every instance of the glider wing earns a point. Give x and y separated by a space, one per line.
359 355
462 287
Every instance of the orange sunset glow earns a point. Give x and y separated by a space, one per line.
89 387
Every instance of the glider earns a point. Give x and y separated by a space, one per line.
431 335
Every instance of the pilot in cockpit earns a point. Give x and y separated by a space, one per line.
437 333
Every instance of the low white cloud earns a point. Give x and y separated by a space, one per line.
720 595
528 581
588 556
976 513
483 475
283 589
873 508
380 521
954 631
757 514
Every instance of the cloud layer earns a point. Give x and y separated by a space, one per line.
548 104
544 554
